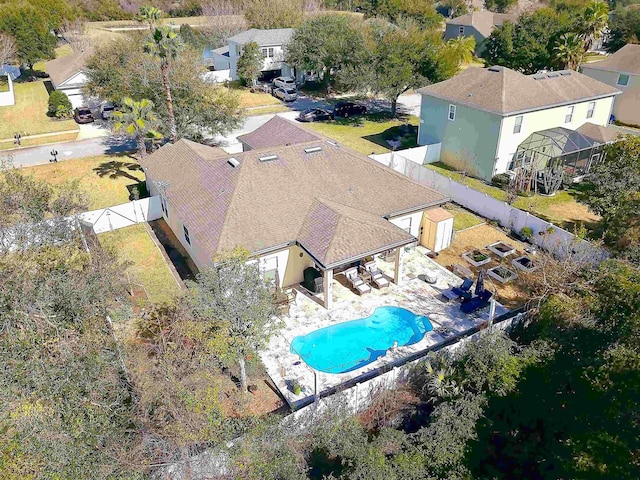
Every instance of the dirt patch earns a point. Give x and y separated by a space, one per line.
260 402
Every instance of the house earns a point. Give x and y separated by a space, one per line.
293 206
621 70
276 132
67 75
272 43
484 119
8 74
478 24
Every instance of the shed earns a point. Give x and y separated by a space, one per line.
437 229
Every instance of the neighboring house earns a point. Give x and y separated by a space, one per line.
8 74
478 24
67 75
275 133
313 204
622 71
485 119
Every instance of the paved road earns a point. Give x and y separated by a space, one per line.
29 156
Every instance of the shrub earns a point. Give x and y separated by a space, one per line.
59 104
502 180
526 233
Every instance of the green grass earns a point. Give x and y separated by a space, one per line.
29 114
147 265
563 209
463 219
4 83
368 134
108 180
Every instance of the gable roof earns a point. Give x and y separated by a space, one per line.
334 202
274 36
625 60
599 133
507 92
483 21
63 68
277 132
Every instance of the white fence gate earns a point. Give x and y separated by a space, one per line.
125 215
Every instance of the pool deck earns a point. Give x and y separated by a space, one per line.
307 315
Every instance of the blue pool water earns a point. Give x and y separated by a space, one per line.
350 345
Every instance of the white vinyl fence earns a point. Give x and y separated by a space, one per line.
546 235
125 215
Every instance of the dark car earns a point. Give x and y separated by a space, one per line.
83 115
348 109
314 115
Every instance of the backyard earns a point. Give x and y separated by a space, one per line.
108 180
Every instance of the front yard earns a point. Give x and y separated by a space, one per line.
108 180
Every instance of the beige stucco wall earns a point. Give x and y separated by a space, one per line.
291 264
542 120
416 222
626 107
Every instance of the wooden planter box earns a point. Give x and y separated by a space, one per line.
502 249
510 275
469 257
524 263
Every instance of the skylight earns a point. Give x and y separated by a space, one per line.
233 162
268 158
312 149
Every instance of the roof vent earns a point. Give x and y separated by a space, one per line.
268 158
233 162
565 73
331 142
539 76
496 68
312 149
553 74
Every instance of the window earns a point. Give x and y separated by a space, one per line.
590 110
569 116
267 52
452 112
163 205
186 234
623 80
269 267
405 224
461 30
518 126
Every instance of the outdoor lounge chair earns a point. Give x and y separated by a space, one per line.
476 303
464 290
356 281
377 278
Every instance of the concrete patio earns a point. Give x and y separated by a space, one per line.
307 315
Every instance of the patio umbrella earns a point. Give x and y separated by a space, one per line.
480 283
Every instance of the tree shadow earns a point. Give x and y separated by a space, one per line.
115 169
406 135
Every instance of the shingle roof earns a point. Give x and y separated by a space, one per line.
625 60
274 36
506 92
599 133
483 21
277 132
63 68
332 202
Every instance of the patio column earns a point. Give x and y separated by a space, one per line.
328 289
398 273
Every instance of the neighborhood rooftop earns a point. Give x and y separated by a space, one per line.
277 132
63 68
507 92
483 21
602 134
330 200
625 60
274 36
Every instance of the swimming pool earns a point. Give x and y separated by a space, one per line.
351 345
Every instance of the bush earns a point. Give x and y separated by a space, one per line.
502 180
59 105
526 233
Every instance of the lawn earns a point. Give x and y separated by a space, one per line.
248 99
269 109
4 83
147 265
30 142
368 134
29 114
107 179
563 209
462 219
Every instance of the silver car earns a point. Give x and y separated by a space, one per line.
286 94
284 82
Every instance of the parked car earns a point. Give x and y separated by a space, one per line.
348 109
107 110
284 82
315 115
286 94
83 115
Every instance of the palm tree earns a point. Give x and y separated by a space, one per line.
462 49
150 15
593 21
569 50
137 120
165 44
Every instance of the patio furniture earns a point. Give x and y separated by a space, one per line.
356 280
476 303
429 278
463 291
377 278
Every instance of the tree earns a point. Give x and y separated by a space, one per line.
421 11
59 104
461 49
137 120
250 63
165 45
8 48
150 15
30 28
274 13
593 22
232 298
569 50
456 8
499 5
624 27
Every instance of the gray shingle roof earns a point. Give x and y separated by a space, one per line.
274 36
599 133
506 92
63 68
625 60
483 21
277 132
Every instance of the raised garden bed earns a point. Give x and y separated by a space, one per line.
502 249
476 258
502 274
524 263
